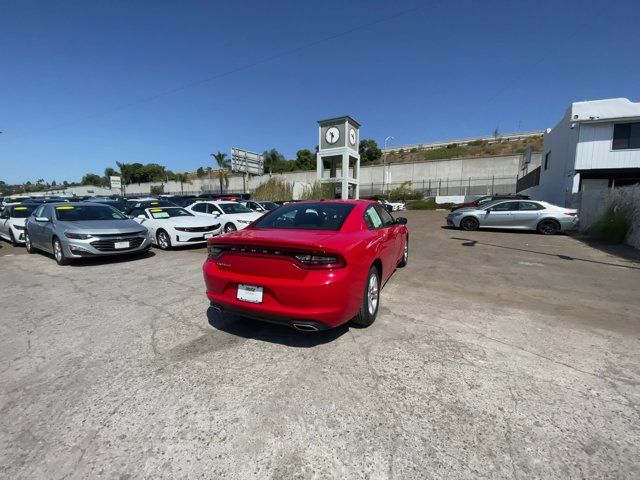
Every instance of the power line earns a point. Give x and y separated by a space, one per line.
232 71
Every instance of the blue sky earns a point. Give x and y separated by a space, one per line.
86 84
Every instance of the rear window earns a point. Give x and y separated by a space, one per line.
21 211
79 213
307 216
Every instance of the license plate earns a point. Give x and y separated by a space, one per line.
121 245
208 235
250 293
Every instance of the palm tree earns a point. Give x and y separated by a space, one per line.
124 175
182 178
221 172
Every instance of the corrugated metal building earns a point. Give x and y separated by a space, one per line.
596 145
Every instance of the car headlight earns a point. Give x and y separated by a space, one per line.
78 236
18 227
245 221
455 214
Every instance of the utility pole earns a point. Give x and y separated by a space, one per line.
384 158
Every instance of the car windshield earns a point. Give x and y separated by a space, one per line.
233 208
21 211
159 213
269 205
484 200
307 216
78 213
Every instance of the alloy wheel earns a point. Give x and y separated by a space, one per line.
229 227
373 293
57 250
163 240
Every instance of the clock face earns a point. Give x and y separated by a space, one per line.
332 135
352 136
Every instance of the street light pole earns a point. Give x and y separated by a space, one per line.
384 157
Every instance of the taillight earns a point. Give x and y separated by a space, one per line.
573 214
213 251
311 260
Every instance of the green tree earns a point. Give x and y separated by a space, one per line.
92 179
305 160
369 151
273 161
182 178
200 173
110 172
221 173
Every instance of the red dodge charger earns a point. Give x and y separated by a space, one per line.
310 265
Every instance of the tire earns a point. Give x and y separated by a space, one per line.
230 227
58 253
12 239
370 300
469 224
405 255
548 227
163 240
27 243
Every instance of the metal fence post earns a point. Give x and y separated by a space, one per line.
492 184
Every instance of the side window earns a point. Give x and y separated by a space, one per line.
547 160
5 213
213 208
38 212
136 212
372 218
387 219
47 211
505 207
200 207
530 206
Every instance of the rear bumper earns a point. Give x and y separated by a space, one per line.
323 298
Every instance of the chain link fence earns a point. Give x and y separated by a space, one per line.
445 186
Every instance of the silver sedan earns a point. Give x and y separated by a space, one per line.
76 230
544 217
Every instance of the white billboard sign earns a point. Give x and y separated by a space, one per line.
115 182
244 161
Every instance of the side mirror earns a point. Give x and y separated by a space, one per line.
42 219
401 221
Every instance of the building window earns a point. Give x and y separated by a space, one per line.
626 136
547 160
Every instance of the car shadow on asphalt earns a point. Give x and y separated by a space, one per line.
468 242
270 332
93 261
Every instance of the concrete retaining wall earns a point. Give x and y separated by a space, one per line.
462 173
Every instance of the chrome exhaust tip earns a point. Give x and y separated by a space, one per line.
305 327
217 308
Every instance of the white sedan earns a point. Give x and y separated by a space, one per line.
12 220
174 226
232 215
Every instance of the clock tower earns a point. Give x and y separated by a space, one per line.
338 160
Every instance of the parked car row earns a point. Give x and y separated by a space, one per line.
115 226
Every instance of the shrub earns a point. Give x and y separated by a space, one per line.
614 224
274 189
403 192
157 189
319 191
422 205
